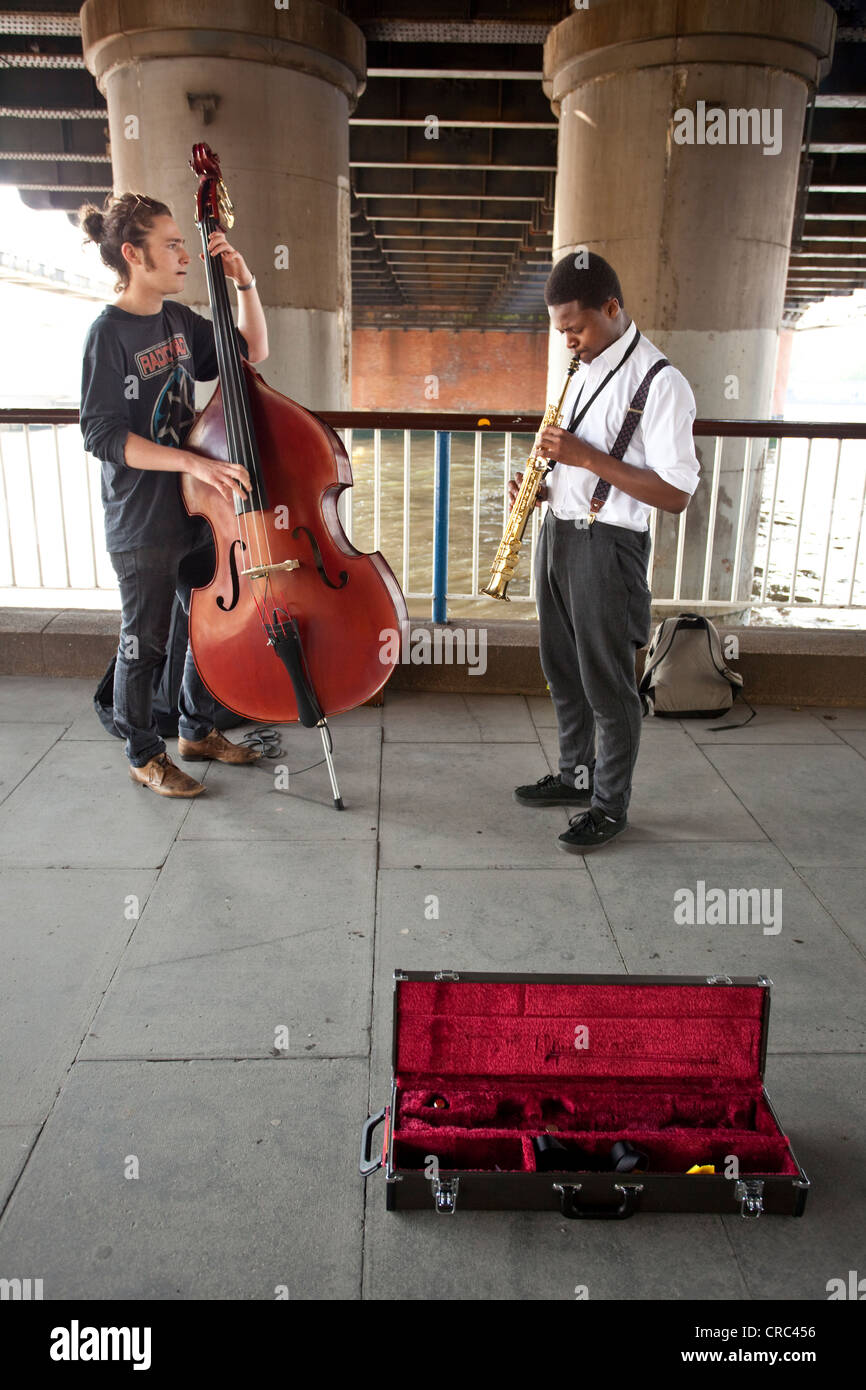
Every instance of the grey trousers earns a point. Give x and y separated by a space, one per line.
148 579
594 613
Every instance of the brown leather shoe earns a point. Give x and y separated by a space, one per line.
217 747
162 777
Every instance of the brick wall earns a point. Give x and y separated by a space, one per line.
392 369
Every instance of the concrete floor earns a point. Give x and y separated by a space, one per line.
151 948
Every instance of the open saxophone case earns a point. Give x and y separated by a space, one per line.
588 1095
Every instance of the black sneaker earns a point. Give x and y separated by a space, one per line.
590 830
550 791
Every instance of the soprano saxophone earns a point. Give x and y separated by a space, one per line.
508 553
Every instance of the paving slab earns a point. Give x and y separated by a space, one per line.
541 710
452 805
63 934
87 725
772 724
852 717
371 715
855 738
652 724
809 960
248 1162
16 1141
543 716
812 806
240 939
820 1103
676 795
539 1257
57 701
364 715
842 891
457 718
245 1183
79 808
526 920
22 746
245 803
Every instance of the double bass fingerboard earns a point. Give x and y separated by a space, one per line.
236 405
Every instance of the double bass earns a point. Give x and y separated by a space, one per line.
294 625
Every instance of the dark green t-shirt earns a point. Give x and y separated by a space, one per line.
138 377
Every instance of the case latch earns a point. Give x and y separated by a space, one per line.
445 1195
446 975
750 1194
719 980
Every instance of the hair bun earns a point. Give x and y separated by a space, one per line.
92 221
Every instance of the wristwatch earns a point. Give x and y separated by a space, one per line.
241 288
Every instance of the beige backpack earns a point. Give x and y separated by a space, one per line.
685 676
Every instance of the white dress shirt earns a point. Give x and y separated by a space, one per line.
663 439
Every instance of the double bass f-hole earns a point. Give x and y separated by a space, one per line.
317 556
236 583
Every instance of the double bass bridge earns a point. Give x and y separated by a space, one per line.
262 571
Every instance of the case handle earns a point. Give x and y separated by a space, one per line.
627 1207
367 1164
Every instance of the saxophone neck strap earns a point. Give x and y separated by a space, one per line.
623 439
575 418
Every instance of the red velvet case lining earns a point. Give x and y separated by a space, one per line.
490 1029
673 1068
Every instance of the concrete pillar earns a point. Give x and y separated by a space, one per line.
269 86
783 370
699 233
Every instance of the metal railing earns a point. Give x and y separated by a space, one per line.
44 275
777 520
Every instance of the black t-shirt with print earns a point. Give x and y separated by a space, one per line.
138 377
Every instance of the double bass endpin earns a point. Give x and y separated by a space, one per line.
329 759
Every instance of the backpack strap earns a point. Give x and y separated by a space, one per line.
736 684
623 439
720 728
660 647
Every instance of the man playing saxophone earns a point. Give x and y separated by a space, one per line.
627 446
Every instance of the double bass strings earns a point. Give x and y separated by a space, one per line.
236 409
228 379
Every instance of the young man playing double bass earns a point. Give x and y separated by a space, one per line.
591 564
141 359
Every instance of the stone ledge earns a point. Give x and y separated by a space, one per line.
798 666
57 642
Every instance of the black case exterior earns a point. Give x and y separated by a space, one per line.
591 1195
